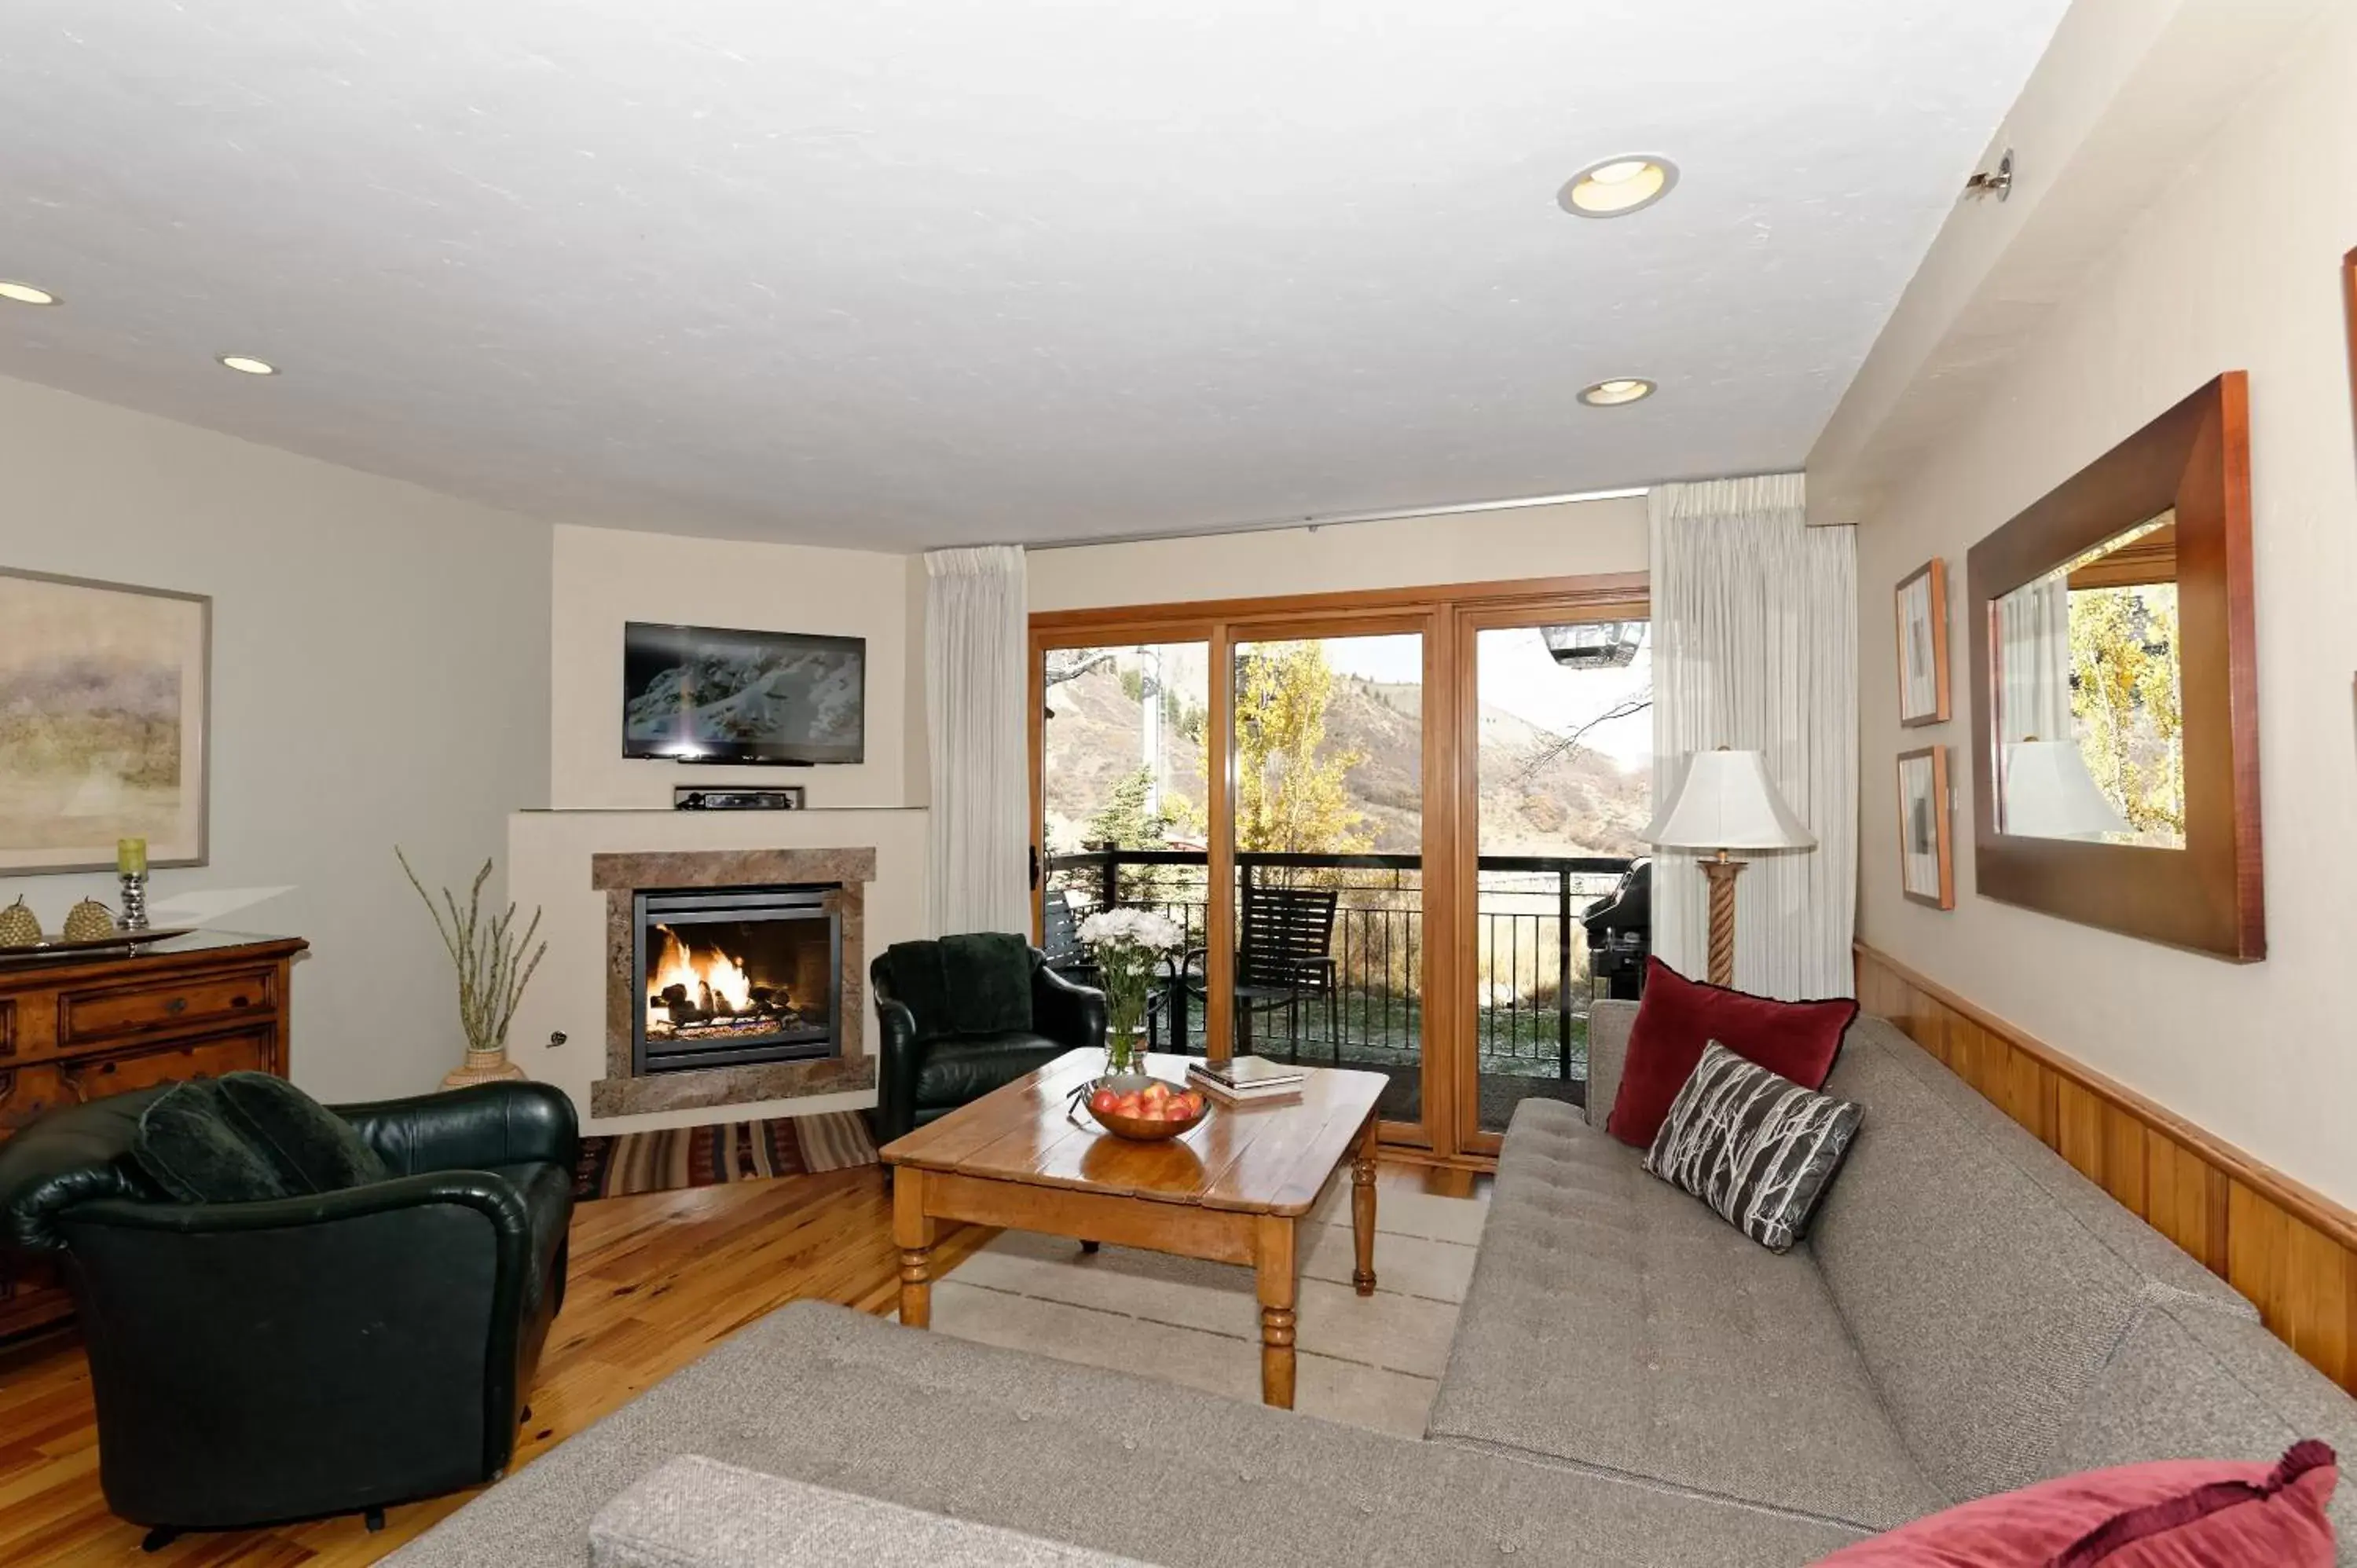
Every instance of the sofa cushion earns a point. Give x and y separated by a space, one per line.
1615 1326
2181 1513
986 976
312 1148
192 1145
1609 1023
1983 1306
1679 1018
1758 1148
699 1513
2189 1383
956 1071
817 1393
2167 1269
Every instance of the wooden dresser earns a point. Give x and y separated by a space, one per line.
72 1030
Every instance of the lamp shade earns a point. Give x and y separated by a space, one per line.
2050 794
1728 801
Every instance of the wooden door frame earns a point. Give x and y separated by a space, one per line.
1448 617
1622 601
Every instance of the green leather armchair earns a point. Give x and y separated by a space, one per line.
300 1356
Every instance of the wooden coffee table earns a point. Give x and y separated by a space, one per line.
1232 1191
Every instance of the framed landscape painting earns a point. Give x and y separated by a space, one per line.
1923 645
1927 853
104 707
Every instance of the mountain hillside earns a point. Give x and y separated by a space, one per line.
1584 804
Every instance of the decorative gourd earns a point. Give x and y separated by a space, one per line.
18 927
87 922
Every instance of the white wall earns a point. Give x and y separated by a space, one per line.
1567 539
603 577
380 676
2237 267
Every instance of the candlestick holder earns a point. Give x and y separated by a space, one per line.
134 902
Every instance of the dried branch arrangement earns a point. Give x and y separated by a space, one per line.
490 958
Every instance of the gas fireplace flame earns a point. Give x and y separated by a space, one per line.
714 981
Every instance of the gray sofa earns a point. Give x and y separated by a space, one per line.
1631 1382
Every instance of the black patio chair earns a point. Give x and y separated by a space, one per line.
1283 957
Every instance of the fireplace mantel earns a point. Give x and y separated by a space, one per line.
618 875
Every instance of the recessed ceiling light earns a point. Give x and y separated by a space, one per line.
1613 393
26 294
1617 186
247 365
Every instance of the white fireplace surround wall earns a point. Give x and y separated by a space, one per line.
548 865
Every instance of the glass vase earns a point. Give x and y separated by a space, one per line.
1124 1051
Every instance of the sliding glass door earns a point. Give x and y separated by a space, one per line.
1328 830
1387 823
1124 775
1556 790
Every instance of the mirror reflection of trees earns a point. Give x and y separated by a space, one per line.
2124 703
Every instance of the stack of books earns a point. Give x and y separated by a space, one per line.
1240 1079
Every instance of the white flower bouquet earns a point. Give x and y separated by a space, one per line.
1127 944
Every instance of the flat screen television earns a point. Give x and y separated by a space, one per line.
697 693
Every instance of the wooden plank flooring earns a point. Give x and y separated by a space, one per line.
657 1280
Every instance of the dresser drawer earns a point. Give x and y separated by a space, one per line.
97 1076
84 1016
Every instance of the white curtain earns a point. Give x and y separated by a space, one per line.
1755 647
976 632
2033 634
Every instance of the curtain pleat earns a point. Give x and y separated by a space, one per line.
1755 647
976 634
2033 630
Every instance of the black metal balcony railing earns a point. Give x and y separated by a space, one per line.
1533 963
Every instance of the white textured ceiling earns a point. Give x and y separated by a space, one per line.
942 271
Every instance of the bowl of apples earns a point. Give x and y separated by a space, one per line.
1136 1105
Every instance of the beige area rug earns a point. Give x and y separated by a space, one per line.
1371 1362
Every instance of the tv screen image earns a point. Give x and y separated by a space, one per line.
697 693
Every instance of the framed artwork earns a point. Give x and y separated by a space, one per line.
104 707
1927 851
1923 645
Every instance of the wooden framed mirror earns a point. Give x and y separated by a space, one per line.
2115 676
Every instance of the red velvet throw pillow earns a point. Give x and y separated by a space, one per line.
1679 1018
2178 1513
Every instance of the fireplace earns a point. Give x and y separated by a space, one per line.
736 976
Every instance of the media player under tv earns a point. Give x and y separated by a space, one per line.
691 798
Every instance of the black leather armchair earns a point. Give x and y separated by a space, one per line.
298 1357
926 1069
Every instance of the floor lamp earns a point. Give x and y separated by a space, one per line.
1727 802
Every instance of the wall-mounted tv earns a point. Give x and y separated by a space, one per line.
695 693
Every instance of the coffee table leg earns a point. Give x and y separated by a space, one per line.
913 1229
1362 1206
1273 1261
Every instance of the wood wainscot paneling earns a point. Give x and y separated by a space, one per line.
2290 1250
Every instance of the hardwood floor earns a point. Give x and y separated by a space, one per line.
657 1280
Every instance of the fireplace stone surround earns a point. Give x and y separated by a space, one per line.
620 876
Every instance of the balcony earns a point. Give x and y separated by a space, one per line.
1536 974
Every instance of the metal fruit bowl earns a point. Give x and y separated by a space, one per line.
1139 1129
